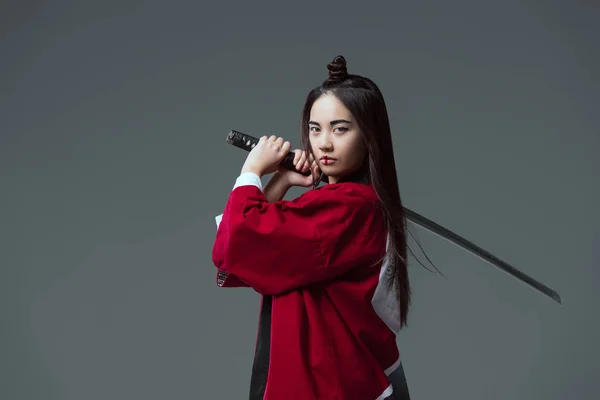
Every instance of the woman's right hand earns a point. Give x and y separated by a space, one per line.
303 164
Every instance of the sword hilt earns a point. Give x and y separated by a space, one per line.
248 142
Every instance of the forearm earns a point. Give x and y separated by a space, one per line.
276 188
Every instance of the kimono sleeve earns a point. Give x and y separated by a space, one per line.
225 279
281 246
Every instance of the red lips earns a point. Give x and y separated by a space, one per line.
327 160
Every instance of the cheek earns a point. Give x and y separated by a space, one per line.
357 149
312 147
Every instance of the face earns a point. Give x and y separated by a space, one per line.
335 138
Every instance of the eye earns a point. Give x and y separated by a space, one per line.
341 129
313 129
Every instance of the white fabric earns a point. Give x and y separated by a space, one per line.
384 300
386 393
393 367
245 179
248 178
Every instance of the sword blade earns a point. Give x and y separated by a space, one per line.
481 253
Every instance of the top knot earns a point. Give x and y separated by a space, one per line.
337 68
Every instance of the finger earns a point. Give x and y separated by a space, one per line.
286 147
297 156
310 179
315 169
299 163
275 143
306 166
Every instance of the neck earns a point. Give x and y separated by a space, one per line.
359 176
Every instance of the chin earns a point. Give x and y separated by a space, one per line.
327 170
328 167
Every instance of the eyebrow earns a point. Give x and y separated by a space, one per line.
332 123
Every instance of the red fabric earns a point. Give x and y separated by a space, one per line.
320 257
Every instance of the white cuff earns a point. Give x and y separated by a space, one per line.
247 179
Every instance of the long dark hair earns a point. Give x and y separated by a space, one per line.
365 101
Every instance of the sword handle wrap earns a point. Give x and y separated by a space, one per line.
248 142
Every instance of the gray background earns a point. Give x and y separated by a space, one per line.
113 165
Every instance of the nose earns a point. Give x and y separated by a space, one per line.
325 144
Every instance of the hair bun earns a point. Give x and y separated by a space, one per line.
337 68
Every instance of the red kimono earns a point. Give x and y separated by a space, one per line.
328 324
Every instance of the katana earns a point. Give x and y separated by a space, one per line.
248 142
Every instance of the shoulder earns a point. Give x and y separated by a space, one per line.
347 197
347 191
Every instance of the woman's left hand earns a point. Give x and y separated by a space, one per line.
266 156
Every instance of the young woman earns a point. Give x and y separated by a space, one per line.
330 265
